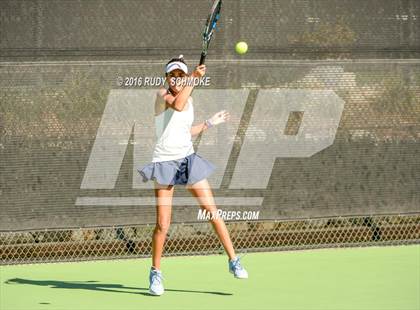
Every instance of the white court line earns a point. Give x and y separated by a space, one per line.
223 61
182 201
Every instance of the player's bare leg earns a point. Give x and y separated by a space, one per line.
202 191
164 196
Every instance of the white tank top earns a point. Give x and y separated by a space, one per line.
173 133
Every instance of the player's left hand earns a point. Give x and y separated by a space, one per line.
219 117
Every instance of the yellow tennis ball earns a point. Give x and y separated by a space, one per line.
241 48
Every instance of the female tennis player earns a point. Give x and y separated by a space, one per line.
175 162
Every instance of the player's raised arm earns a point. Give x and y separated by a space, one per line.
177 100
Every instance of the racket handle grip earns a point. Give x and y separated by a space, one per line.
202 58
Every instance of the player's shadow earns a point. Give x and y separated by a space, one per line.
95 286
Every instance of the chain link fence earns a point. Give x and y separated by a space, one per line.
199 238
51 110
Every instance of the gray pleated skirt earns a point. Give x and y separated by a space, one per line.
187 170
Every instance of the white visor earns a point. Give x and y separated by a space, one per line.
176 65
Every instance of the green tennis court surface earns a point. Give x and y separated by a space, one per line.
353 278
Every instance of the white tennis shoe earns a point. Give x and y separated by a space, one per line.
156 282
236 268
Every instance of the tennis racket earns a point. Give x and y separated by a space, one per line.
209 28
208 31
